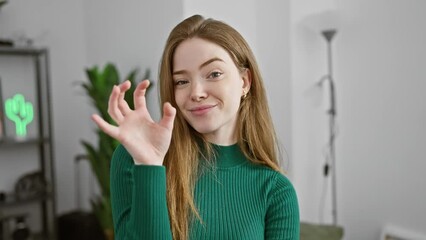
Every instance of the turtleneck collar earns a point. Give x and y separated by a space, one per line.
228 156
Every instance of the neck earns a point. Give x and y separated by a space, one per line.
228 156
221 140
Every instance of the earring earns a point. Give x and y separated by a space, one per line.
244 94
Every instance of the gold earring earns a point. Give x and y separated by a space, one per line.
244 94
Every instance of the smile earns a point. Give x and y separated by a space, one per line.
201 110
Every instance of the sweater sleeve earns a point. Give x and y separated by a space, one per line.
282 216
138 199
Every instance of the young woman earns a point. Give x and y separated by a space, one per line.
209 168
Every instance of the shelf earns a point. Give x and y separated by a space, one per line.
8 217
39 236
40 145
16 141
23 51
19 202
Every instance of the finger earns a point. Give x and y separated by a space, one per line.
105 126
139 94
122 104
169 113
113 109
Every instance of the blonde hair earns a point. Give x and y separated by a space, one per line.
255 132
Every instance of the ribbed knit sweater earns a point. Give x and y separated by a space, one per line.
236 200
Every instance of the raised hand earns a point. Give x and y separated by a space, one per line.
147 141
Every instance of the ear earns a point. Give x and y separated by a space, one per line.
246 79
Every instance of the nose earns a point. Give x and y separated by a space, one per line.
198 91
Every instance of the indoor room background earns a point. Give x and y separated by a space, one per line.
379 60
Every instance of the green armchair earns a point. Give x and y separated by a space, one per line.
309 231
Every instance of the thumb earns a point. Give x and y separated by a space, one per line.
169 113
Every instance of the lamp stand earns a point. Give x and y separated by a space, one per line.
328 35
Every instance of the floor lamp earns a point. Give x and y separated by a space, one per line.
328 35
327 22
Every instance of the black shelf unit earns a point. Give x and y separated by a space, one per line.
43 142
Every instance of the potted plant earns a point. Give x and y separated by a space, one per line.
2 2
98 88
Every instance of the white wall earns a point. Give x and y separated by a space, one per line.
273 55
379 57
132 35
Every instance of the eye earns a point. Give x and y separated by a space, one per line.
215 74
180 82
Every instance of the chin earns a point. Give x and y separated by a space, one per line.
203 129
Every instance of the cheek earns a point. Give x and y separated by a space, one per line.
236 101
230 99
233 92
180 99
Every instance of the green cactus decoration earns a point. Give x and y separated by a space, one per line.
19 112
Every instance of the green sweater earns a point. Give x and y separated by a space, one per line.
237 200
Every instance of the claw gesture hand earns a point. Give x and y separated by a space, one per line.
146 141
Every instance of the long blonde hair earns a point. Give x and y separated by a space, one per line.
255 132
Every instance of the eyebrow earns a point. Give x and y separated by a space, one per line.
201 66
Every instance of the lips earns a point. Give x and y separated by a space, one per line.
201 110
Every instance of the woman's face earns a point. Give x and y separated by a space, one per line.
208 89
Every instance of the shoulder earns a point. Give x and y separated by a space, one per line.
283 192
276 177
278 184
282 182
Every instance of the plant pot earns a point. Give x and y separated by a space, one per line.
109 234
